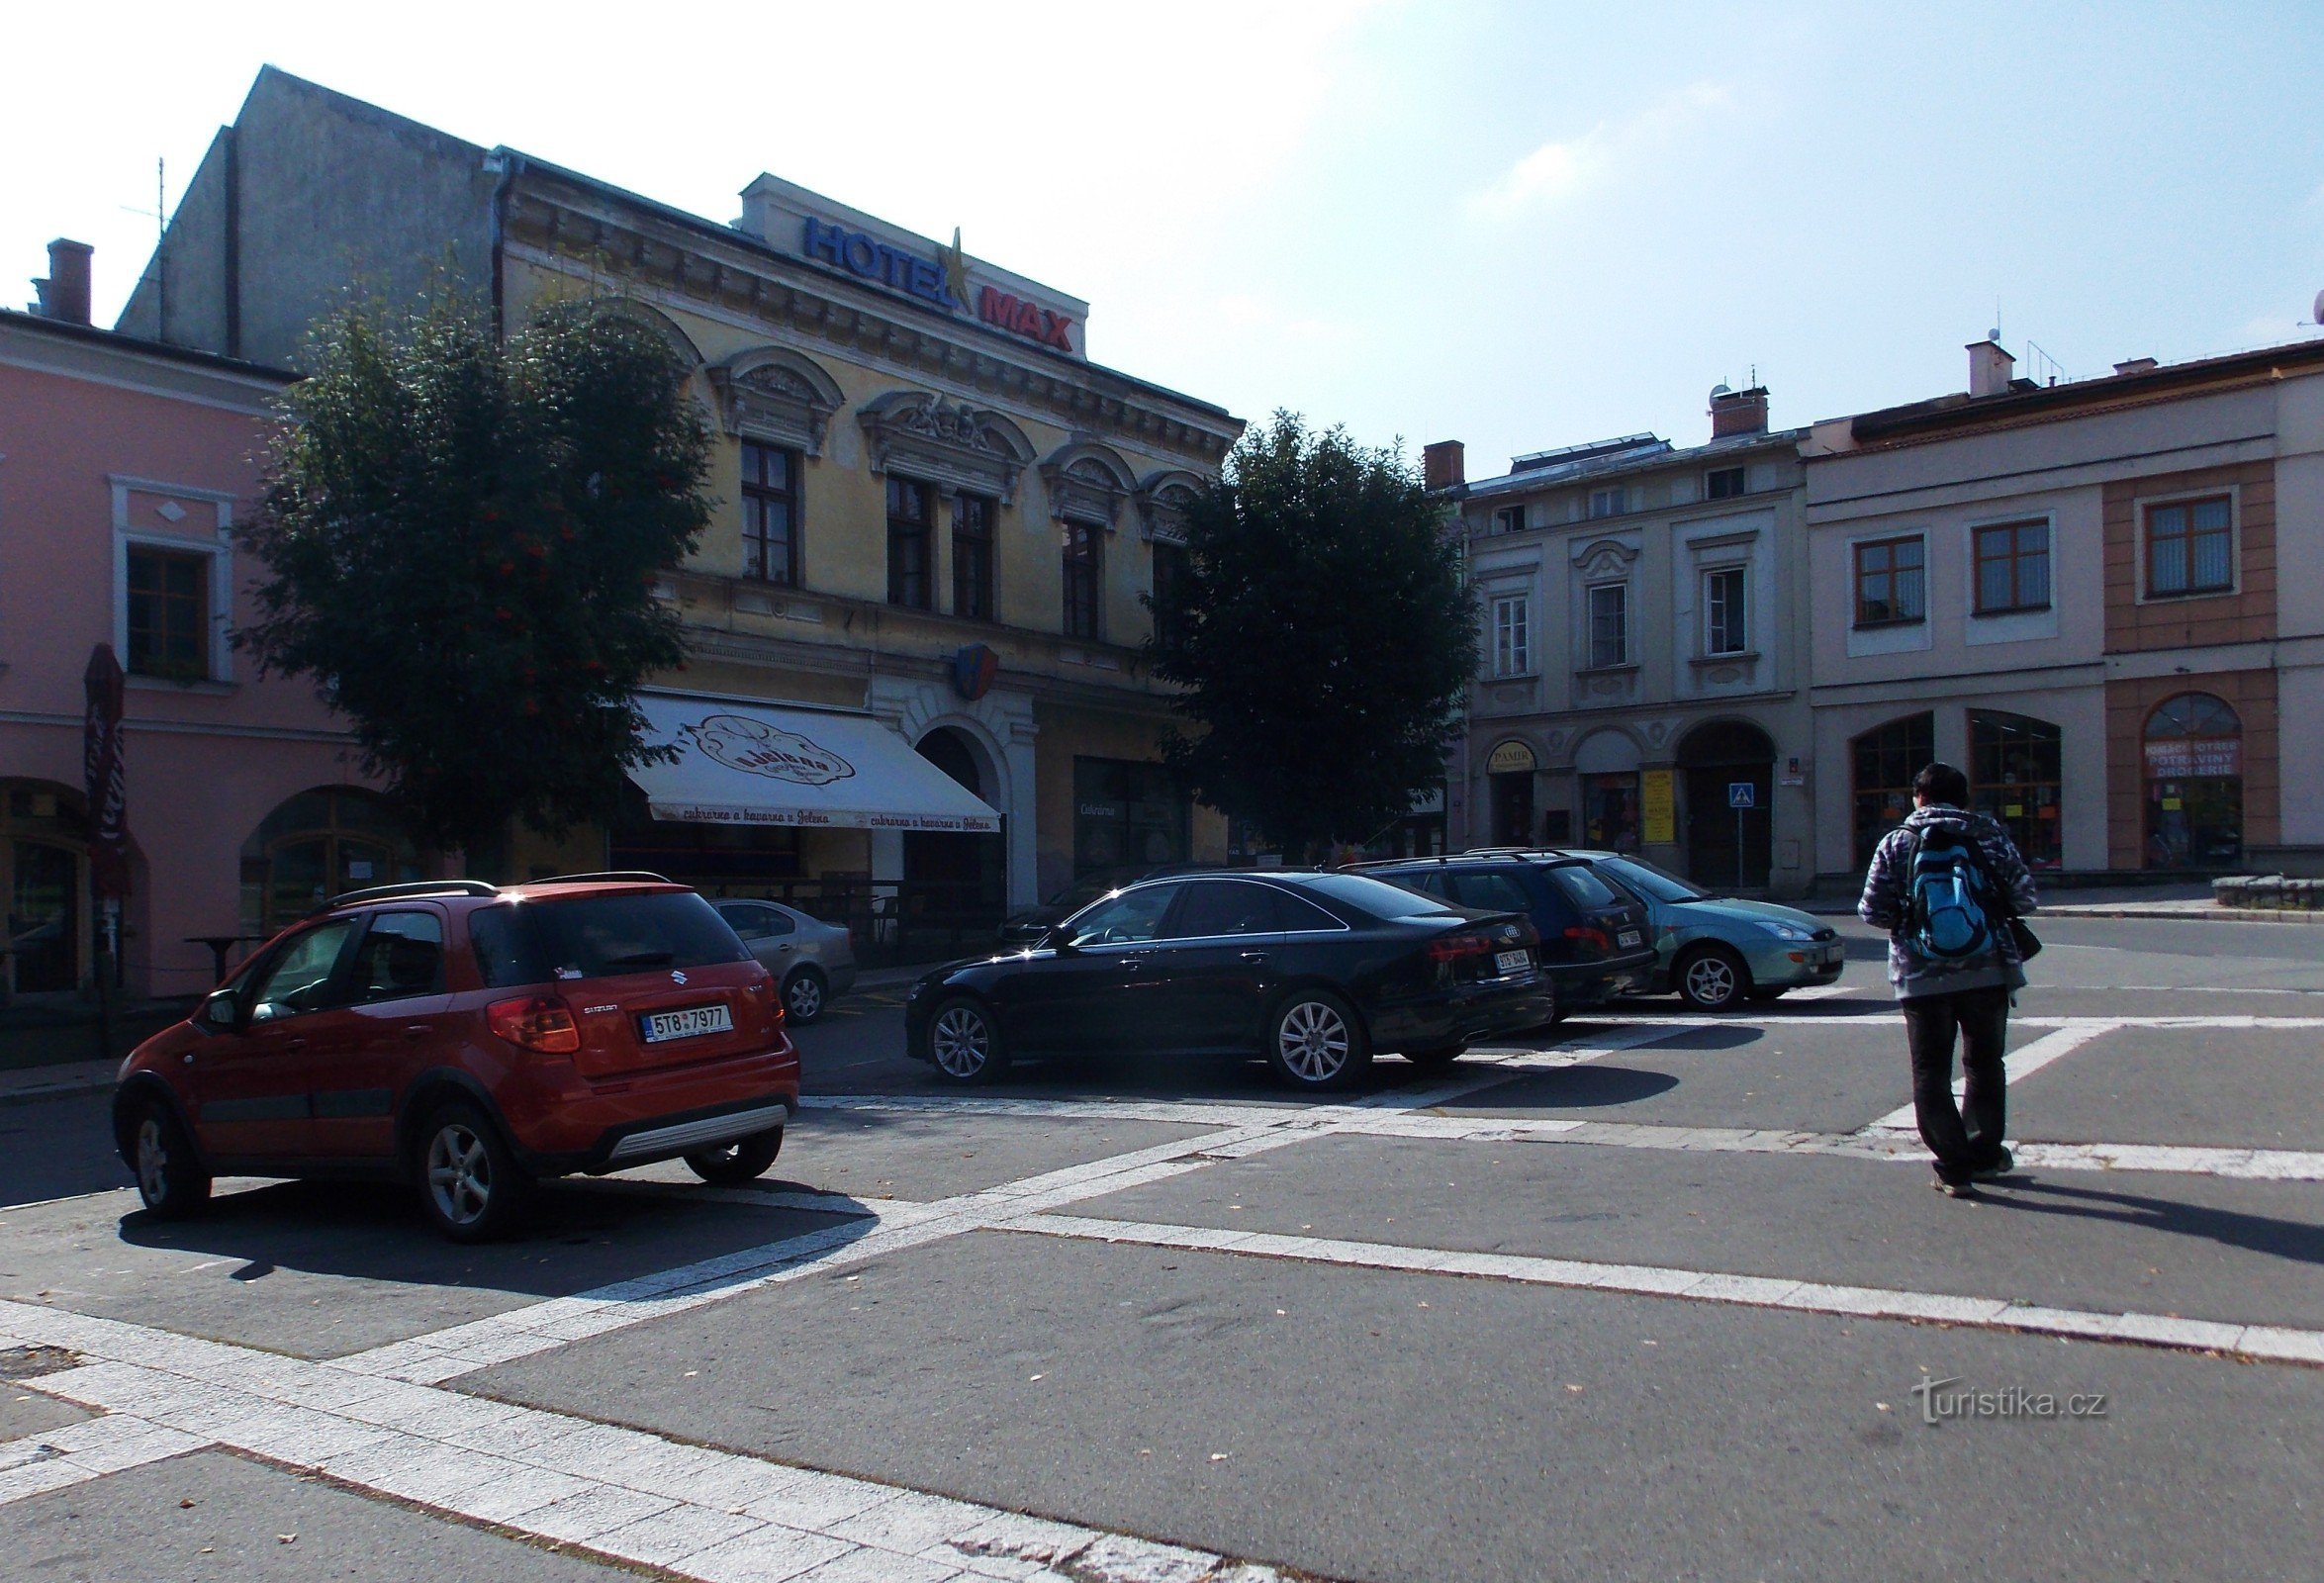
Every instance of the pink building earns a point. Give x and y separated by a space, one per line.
125 467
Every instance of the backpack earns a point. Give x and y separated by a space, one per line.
1945 907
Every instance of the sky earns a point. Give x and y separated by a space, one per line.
1517 225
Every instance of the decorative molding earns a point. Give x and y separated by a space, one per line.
1162 499
1604 558
959 445
777 395
1087 483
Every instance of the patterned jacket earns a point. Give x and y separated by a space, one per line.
1885 903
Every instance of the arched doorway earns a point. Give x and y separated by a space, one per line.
316 845
956 872
1509 772
43 879
2194 749
1728 763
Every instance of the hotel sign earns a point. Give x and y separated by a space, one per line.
941 280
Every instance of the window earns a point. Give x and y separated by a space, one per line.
402 956
1128 815
1510 519
1726 628
908 511
1606 502
770 513
2014 775
2190 549
1886 759
1723 483
1082 580
1892 578
2012 568
1131 919
601 936
1215 908
2194 750
1490 891
1170 586
300 975
754 921
507 954
1513 640
168 613
1609 625
971 557
1582 888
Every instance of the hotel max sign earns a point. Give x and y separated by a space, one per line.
940 279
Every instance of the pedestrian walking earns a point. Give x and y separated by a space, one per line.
1945 886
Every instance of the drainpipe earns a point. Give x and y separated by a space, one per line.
505 164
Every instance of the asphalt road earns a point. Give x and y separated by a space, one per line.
1653 1296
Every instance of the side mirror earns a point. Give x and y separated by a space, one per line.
218 1014
1056 940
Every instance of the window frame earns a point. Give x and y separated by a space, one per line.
2018 605
1082 575
1589 633
1610 501
757 493
1737 612
901 531
983 551
1513 640
1710 482
156 551
2231 497
1509 519
1856 574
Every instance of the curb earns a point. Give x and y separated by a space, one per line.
59 1087
2199 914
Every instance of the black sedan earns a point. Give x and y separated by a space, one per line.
1315 972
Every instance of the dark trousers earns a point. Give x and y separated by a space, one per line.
1966 1137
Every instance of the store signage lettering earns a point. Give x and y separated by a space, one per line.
1510 758
942 281
1025 319
2194 758
757 748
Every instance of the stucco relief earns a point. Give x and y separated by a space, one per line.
774 394
1087 483
951 443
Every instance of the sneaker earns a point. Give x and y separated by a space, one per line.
2003 1163
1954 1189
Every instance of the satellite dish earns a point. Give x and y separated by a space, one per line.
2317 315
1720 389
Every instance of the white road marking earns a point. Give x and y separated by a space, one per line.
2018 1063
622 1493
78 1452
2264 1343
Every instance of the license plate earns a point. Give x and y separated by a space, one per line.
693 1020
1508 961
1628 938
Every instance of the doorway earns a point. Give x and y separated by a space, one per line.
956 872
1729 770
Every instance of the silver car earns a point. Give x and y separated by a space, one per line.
812 960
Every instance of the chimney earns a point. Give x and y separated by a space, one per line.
1990 368
2136 365
1738 411
66 292
1443 465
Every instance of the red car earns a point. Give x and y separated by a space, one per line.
470 1039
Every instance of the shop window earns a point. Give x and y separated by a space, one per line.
1610 813
168 613
1513 636
1892 582
1725 627
42 883
314 846
908 513
2015 767
1885 760
770 513
971 557
1127 814
716 859
1723 483
2194 753
1609 625
2190 549
2012 568
1083 583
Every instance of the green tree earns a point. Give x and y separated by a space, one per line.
460 536
1322 635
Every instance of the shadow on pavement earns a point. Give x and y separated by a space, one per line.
2300 1241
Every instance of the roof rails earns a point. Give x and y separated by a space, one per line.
639 875
415 887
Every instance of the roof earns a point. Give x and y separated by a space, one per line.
1633 453
98 335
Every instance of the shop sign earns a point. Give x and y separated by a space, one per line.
941 281
2194 758
1511 758
1795 771
1658 806
757 748
972 671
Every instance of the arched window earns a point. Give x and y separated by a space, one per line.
43 850
2015 773
314 846
1883 761
2194 752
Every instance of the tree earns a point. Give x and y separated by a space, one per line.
1322 634
460 538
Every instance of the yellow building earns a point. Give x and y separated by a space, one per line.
935 511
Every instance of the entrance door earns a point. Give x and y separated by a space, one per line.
1726 845
44 917
1513 809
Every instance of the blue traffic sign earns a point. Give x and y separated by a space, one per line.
1742 795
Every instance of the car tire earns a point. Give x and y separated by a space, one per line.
170 1179
744 1159
1441 1055
804 996
1713 978
470 1184
963 1045
1316 1040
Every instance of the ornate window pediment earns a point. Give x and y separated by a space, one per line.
773 394
1605 557
1087 483
1162 499
952 443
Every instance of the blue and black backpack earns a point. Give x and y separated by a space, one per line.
1945 896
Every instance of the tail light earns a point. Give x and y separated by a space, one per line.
1451 948
1591 936
541 1023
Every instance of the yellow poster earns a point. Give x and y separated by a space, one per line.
1658 802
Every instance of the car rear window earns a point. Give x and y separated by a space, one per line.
596 937
1374 897
1491 893
1582 888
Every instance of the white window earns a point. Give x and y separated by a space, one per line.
1610 625
173 583
1510 519
1606 502
1513 636
1725 627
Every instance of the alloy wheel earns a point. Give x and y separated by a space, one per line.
459 1174
961 1042
1710 980
152 1160
802 997
1314 1041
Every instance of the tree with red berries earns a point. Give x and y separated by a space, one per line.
460 536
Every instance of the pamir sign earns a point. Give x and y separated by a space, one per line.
942 281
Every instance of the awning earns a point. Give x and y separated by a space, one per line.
751 764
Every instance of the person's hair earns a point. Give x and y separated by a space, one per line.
1941 782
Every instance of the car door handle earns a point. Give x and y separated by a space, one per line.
1256 957
1135 962
294 1045
417 1030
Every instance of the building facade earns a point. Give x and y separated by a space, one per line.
935 510
1643 678
2074 592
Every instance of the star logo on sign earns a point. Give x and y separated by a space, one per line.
955 264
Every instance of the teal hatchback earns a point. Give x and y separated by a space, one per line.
1718 952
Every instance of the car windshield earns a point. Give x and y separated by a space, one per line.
1374 897
1652 883
592 937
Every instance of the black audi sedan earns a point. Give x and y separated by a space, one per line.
1314 972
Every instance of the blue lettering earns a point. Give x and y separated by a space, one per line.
928 281
823 240
862 254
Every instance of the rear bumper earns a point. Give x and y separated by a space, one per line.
1462 1015
640 1143
1588 984
560 1122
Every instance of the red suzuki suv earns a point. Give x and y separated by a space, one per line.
470 1038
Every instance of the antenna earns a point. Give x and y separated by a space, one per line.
159 215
